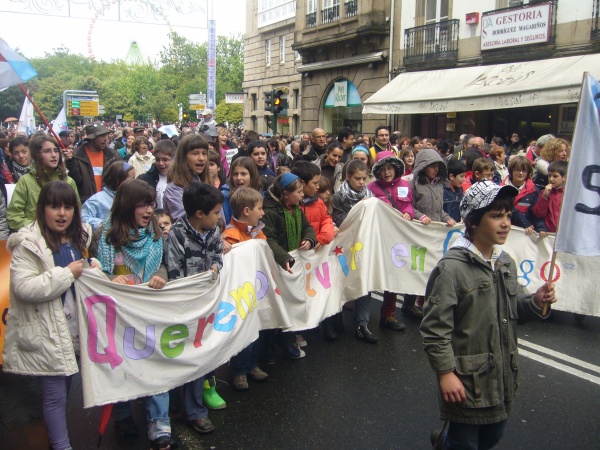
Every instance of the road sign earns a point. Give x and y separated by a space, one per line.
88 109
197 107
100 109
199 96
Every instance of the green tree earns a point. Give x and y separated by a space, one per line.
232 113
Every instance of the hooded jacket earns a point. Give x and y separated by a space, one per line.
470 327
37 341
428 198
275 230
316 213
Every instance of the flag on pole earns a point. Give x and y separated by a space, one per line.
14 69
60 123
26 119
580 214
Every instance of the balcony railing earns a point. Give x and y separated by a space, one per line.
330 14
431 43
595 34
351 8
311 20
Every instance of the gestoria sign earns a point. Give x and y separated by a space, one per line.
522 26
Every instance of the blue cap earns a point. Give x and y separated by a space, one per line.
286 179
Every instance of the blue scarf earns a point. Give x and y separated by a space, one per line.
142 256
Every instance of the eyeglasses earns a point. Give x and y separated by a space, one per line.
520 171
146 205
383 135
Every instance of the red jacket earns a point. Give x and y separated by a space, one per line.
317 215
549 208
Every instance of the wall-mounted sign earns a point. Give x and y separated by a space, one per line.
472 18
340 93
234 97
520 26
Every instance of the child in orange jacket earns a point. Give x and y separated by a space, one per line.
247 208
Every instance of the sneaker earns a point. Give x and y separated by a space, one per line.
391 323
164 442
300 341
202 425
257 374
362 332
126 427
293 351
240 383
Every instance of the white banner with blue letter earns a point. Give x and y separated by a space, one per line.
137 341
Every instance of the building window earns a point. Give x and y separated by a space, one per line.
311 13
281 49
268 52
351 8
331 11
253 102
273 11
434 42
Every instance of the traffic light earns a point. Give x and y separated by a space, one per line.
269 101
279 101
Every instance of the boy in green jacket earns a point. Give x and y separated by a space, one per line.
473 305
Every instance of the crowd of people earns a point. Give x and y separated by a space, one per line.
146 208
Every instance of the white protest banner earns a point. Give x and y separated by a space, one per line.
136 341
581 202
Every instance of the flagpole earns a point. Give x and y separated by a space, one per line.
553 261
42 116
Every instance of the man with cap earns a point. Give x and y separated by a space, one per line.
469 329
90 159
138 131
208 125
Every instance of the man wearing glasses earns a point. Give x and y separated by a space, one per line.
382 142
317 147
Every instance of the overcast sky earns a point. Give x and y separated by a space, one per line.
34 35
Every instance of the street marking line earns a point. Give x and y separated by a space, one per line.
560 366
562 356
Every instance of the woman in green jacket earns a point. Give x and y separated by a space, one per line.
48 165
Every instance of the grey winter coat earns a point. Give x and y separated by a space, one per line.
470 327
428 198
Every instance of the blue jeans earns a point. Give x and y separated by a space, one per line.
157 414
192 399
362 309
246 360
462 436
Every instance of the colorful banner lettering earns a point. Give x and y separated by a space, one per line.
136 341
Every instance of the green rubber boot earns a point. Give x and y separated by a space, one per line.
210 397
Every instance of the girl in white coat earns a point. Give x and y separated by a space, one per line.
42 334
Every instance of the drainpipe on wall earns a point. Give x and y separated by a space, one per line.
391 56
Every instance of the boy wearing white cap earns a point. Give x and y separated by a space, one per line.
473 305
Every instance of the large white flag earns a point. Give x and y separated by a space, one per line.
26 119
60 123
580 218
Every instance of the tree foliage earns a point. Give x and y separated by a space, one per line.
232 113
152 89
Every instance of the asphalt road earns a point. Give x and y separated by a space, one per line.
352 395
